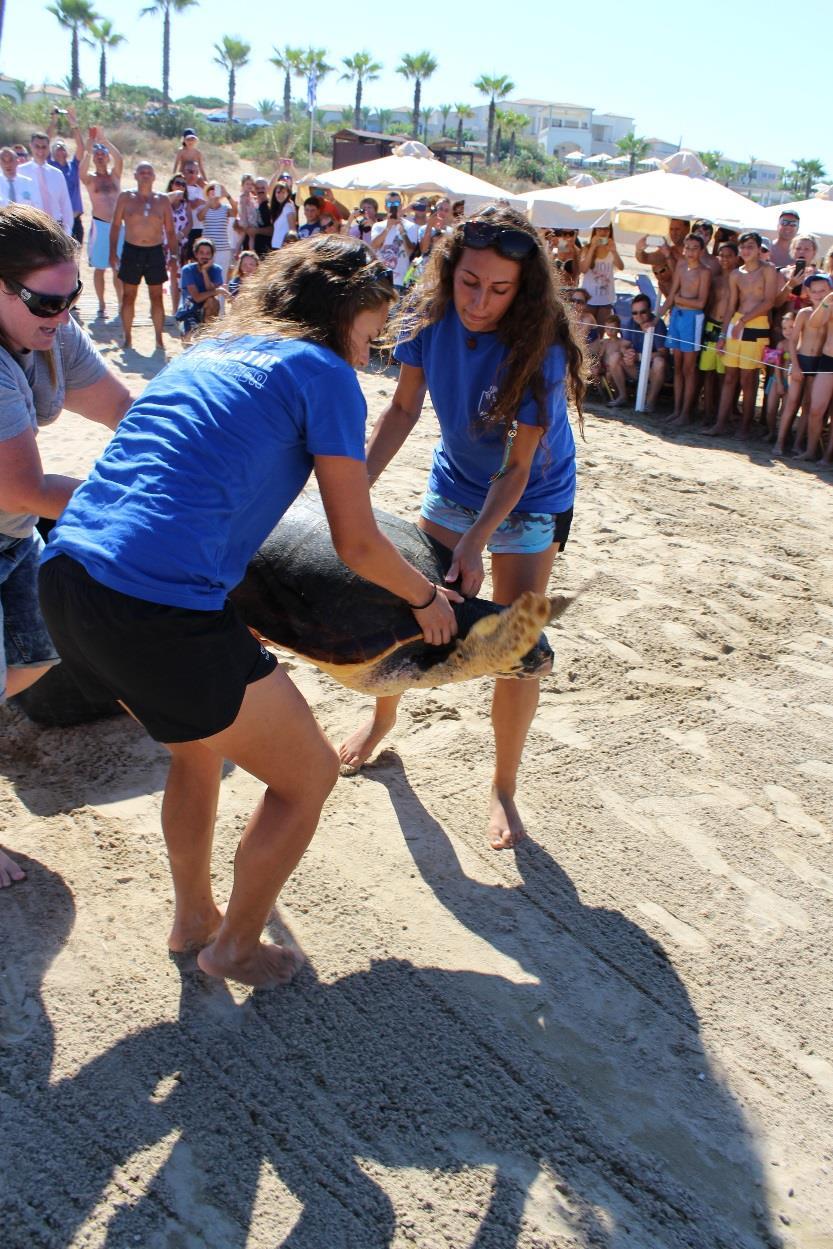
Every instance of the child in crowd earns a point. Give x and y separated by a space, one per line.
778 360
807 345
247 264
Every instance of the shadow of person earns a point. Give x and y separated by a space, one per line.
611 1020
392 1101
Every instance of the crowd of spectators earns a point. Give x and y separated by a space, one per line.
742 328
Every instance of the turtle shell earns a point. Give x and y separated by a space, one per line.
298 593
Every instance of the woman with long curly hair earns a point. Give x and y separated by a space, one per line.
136 577
487 334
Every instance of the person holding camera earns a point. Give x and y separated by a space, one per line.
362 219
394 240
61 161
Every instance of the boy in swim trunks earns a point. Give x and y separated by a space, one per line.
103 187
752 292
687 300
807 343
821 318
147 216
712 364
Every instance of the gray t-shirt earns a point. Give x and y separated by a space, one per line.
29 398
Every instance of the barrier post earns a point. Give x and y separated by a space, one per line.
644 370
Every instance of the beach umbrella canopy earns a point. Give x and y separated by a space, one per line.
600 159
576 155
411 168
678 189
815 215
581 179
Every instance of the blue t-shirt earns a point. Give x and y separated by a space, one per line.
461 370
205 463
635 335
192 275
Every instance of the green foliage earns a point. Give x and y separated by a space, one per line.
132 93
530 164
199 101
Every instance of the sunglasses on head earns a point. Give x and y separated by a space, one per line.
43 305
506 240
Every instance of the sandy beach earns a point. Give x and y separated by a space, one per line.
618 1036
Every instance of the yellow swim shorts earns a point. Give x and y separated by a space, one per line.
710 360
747 351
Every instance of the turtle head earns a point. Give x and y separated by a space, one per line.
537 662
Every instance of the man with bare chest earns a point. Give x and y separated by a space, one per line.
752 292
147 219
687 301
103 187
712 362
663 260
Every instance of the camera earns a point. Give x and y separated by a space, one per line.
59 112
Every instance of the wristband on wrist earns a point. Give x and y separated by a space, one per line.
422 606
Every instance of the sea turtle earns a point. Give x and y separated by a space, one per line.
298 595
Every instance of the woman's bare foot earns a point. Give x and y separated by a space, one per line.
265 967
195 931
9 871
505 828
356 749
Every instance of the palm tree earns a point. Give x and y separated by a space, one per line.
496 87
266 107
384 116
712 160
425 117
363 68
513 122
232 54
444 110
418 67
166 8
464 113
635 148
805 175
289 62
103 36
75 16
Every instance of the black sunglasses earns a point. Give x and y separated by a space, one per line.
41 305
507 241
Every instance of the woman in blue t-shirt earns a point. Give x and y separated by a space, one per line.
135 579
488 336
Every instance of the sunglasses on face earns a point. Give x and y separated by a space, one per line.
43 305
508 242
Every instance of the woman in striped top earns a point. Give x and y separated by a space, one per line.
215 217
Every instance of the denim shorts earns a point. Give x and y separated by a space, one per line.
26 641
522 533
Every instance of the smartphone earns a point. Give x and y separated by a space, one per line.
393 211
656 240
318 193
799 266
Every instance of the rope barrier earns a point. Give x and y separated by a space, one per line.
763 364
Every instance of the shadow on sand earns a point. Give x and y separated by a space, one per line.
587 1094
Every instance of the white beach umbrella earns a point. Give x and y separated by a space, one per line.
581 179
815 216
411 168
575 156
678 189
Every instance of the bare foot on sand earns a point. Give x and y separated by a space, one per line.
194 932
9 871
265 967
356 749
505 828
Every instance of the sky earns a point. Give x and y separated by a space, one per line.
738 88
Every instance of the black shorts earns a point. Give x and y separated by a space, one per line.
182 673
143 262
809 365
825 363
563 525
